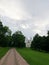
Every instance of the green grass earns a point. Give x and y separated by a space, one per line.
3 51
34 57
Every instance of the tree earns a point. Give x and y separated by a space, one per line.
48 33
8 37
7 31
43 43
36 42
5 35
18 39
1 33
47 42
40 43
6 40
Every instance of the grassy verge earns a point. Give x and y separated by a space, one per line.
3 51
34 57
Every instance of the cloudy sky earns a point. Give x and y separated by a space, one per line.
28 16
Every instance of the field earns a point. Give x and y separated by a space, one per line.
3 51
34 57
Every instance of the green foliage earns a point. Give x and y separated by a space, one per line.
34 57
6 40
36 42
18 39
5 35
40 43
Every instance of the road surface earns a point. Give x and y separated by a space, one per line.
13 58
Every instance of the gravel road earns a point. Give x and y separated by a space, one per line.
12 57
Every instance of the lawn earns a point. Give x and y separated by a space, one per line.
3 51
34 57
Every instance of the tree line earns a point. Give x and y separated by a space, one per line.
40 43
7 39
17 39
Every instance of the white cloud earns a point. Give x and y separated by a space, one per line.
37 31
13 9
29 16
26 26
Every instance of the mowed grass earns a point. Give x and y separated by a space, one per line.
34 57
3 51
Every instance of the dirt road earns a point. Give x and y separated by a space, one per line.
13 58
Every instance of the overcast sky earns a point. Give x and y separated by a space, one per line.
28 16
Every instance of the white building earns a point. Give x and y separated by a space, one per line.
28 42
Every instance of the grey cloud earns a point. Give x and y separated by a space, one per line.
35 15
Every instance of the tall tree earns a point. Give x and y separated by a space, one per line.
18 39
5 34
36 42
